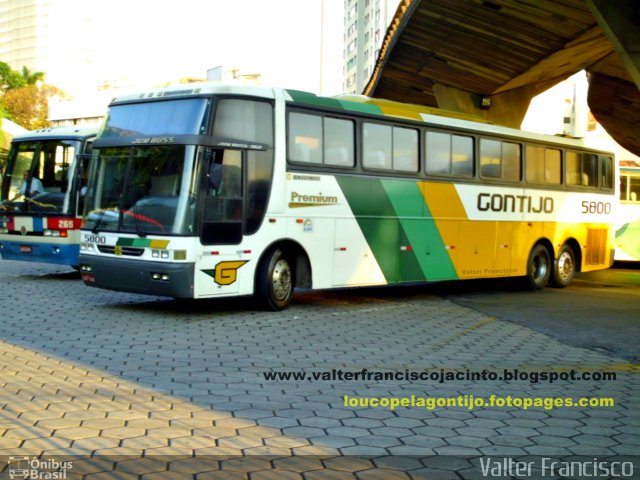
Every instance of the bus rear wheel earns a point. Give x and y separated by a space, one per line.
275 281
564 268
538 267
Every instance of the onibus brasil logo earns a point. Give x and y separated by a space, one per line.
37 468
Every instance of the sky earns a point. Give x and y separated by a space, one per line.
146 40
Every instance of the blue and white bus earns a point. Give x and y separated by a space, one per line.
42 195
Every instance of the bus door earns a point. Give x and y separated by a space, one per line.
222 222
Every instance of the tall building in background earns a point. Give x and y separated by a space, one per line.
365 25
52 36
94 50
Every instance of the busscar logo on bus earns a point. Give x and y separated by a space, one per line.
153 140
499 202
299 200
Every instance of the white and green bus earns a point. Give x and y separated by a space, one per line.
628 228
215 191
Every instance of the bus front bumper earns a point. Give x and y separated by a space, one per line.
40 252
148 278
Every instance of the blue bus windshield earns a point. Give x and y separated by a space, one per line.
171 117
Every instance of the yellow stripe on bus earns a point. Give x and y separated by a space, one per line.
158 243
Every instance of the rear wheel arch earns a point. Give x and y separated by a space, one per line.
577 252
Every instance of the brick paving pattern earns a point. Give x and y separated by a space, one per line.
105 378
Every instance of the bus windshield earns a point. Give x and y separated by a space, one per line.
142 190
172 117
39 176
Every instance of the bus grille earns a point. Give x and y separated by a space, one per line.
130 251
596 247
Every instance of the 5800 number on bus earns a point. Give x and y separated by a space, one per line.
595 207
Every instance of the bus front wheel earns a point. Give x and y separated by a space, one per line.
275 281
564 268
538 267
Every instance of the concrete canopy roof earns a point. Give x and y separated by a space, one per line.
455 53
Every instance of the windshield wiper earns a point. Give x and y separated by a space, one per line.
132 211
136 221
95 228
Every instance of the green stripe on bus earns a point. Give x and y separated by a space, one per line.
382 229
420 229
311 99
133 242
125 242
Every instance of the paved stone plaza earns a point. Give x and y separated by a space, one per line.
105 378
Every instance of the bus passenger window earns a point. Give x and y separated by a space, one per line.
339 140
634 188
500 159
405 149
305 138
552 166
590 169
449 154
543 165
511 161
574 171
582 169
490 158
461 156
624 188
376 146
606 171
438 153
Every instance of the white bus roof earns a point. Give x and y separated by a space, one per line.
57 132
197 89
354 104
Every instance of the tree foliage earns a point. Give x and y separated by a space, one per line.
28 105
24 97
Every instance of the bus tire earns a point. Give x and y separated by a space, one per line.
564 268
275 281
538 267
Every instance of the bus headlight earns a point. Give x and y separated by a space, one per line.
160 276
164 254
54 233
